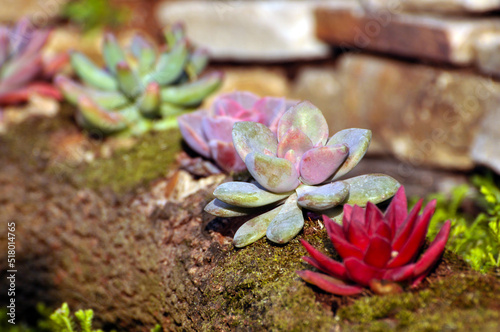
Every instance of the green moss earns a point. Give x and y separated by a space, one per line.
465 301
148 159
258 288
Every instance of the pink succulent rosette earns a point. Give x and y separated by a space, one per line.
23 71
376 246
208 132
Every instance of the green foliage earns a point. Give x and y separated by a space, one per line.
93 14
61 320
477 240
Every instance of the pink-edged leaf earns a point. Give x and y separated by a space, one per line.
277 175
253 137
318 164
191 129
373 218
272 109
432 254
356 234
357 141
378 252
218 128
329 284
397 210
295 140
361 272
309 119
344 248
231 108
332 227
404 231
246 99
226 157
402 273
416 238
323 262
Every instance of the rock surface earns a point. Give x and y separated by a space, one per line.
423 115
437 6
40 12
248 30
485 148
440 39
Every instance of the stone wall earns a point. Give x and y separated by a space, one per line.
423 75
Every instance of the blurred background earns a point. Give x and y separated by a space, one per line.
422 75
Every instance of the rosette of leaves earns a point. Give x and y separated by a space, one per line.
209 132
140 89
297 168
23 70
377 249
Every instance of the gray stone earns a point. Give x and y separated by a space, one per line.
248 30
436 6
425 116
486 148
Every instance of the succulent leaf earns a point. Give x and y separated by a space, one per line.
275 174
247 194
373 188
127 80
372 252
191 94
149 90
112 52
253 137
191 129
323 197
170 65
294 139
91 74
329 284
357 140
254 229
287 223
218 208
149 102
97 117
307 118
227 159
318 164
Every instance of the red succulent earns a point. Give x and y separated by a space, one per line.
376 247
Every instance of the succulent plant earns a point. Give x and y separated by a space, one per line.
22 67
298 167
208 132
139 89
376 247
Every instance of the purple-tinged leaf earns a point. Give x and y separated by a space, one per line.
357 141
295 140
224 154
318 164
191 129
